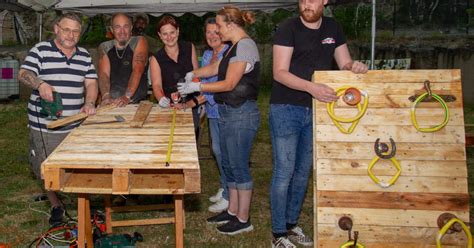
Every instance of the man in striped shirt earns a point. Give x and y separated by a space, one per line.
58 65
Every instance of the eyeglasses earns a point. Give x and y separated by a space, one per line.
74 32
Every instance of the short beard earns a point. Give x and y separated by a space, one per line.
311 16
122 42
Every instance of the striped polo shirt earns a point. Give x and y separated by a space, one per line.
65 75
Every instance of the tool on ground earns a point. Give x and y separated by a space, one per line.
118 240
77 117
345 223
381 151
54 109
449 223
429 94
170 141
118 118
352 97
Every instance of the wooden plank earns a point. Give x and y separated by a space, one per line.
386 217
392 76
399 101
179 220
54 178
393 200
184 138
408 89
158 221
121 181
108 213
141 114
158 139
140 208
192 179
92 183
394 117
178 156
403 184
389 236
148 183
363 133
76 117
428 168
145 165
405 151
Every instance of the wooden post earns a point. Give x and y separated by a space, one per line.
84 226
179 217
108 214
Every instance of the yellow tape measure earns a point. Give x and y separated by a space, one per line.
170 141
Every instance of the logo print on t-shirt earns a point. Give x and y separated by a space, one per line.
328 40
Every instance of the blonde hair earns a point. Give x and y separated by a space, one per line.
235 15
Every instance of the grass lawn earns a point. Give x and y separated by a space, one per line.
22 219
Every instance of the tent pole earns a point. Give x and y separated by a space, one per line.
372 50
40 26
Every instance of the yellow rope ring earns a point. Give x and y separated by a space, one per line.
351 243
392 180
354 120
446 228
433 128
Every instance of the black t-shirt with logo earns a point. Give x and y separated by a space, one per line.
313 50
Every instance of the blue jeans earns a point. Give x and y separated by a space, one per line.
216 149
291 129
238 127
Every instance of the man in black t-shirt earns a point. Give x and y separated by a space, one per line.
122 65
302 45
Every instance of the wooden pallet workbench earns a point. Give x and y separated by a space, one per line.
433 180
124 158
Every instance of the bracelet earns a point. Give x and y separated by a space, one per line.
39 85
104 95
91 103
195 100
200 87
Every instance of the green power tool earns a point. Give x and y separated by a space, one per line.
53 110
118 240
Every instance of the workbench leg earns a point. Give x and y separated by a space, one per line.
84 226
179 218
108 214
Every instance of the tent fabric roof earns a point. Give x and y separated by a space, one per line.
153 7
177 7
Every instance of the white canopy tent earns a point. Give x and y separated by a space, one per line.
176 7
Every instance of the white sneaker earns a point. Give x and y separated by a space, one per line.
215 198
296 235
282 242
219 206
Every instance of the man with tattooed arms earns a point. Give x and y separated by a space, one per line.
60 66
122 64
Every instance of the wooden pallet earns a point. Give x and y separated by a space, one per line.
434 173
127 158
116 158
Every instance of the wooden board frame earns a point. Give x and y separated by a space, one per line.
434 171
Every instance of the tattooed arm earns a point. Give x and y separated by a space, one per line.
140 58
104 76
31 80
